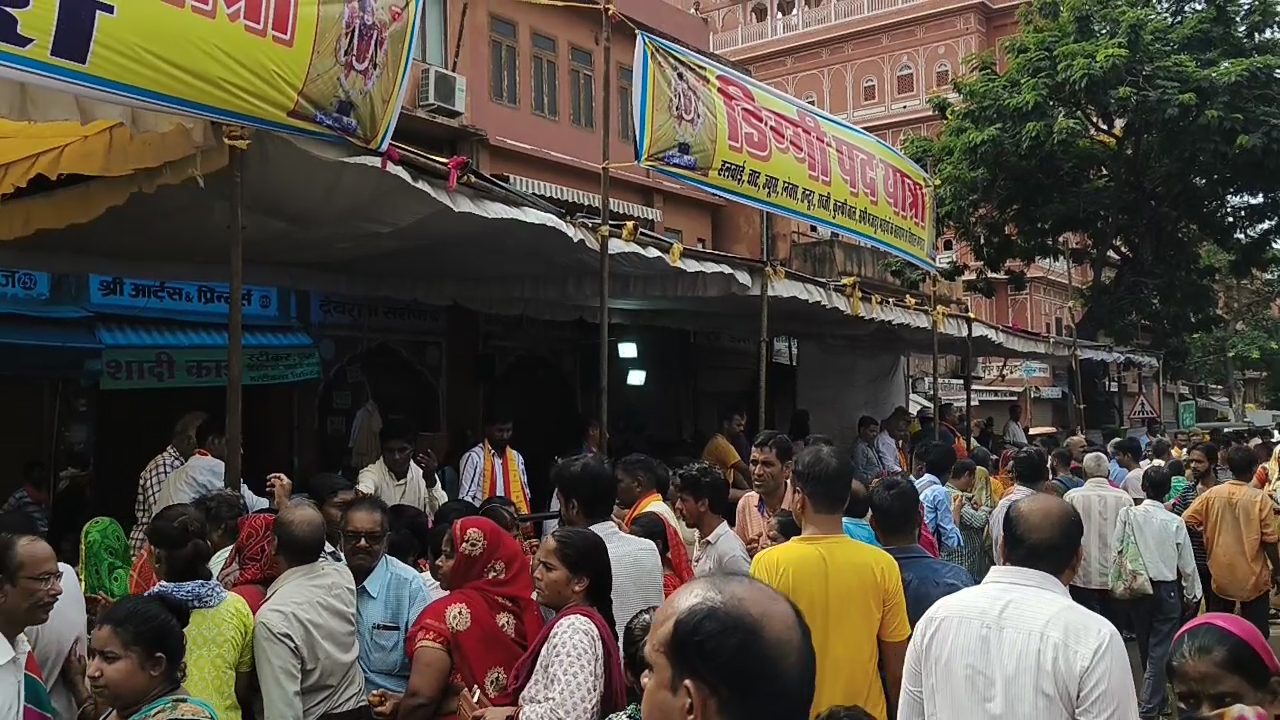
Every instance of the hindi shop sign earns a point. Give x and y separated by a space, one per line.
24 284
322 68
335 310
179 297
701 123
130 368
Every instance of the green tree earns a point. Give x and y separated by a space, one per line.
1145 131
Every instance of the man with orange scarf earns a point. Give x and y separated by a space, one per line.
493 468
642 486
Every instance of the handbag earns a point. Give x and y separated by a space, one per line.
1129 578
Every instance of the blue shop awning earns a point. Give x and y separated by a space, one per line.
15 331
162 335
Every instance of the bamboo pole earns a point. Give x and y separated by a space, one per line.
235 322
937 391
762 389
606 119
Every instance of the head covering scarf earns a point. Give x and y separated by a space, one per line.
104 559
250 561
489 618
195 594
142 576
614 695
1242 629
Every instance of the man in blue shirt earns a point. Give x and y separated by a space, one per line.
938 459
855 521
389 595
895 515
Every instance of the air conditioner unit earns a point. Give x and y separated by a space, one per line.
442 93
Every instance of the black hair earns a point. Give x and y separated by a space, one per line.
818 440
1242 462
299 540
787 525
17 522
780 444
589 482
208 429
222 510
650 472
1129 446
634 637
823 475
502 511
453 511
365 503
865 422
150 625
1047 544
963 467
702 481
1156 481
1160 447
895 505
1209 450
35 473
497 414
1062 457
584 554
799 426
9 545
1176 468
845 712
1226 650
397 432
859 504
939 458
1029 466
180 533
717 642
326 486
653 528
435 541
410 529
981 457
728 413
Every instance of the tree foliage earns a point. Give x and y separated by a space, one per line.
1142 130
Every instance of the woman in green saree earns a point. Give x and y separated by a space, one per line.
135 663
104 559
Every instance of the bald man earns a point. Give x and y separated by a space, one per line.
182 445
1039 654
707 647
304 638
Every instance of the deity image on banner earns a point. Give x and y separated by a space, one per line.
349 81
682 114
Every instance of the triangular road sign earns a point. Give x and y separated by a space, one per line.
1143 410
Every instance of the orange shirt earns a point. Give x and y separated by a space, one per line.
753 519
1237 521
721 453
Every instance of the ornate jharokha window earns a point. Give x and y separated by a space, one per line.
942 74
905 80
869 88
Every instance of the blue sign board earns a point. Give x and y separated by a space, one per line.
179 297
24 284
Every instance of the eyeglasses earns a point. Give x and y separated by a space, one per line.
45 581
371 539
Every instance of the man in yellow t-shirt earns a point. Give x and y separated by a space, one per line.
721 453
850 593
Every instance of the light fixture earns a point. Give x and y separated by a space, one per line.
628 351
636 377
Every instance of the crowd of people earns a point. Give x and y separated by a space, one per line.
910 576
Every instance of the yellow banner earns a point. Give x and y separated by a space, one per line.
323 68
702 123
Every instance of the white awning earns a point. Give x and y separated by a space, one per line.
542 188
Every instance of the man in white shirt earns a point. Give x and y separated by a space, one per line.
1165 547
205 472
399 477
154 476
587 489
1030 472
702 499
1128 455
1099 504
30 585
1038 654
1014 434
887 441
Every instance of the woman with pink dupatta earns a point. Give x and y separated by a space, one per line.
1222 668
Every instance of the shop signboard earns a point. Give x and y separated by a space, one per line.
114 292
704 124
24 284
341 311
1187 414
337 68
132 368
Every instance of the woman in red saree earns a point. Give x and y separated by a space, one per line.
250 567
676 568
473 637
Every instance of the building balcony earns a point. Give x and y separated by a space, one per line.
802 20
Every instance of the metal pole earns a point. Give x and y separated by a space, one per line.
1075 408
764 320
235 321
968 381
606 121
1160 388
933 303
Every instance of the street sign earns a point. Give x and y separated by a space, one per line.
1143 409
1186 414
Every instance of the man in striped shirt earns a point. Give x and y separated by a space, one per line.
157 472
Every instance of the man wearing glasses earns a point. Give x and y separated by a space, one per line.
389 596
30 585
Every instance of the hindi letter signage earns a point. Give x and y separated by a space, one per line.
179 297
128 368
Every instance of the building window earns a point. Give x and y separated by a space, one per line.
429 43
582 88
546 77
673 235
759 12
905 80
869 90
625 115
702 244
942 74
811 99
503 82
